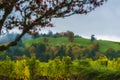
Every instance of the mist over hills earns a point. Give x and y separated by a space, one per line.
9 37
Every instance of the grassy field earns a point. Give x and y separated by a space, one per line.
104 45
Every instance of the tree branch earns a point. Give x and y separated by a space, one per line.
6 46
7 6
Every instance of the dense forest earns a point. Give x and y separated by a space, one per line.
61 56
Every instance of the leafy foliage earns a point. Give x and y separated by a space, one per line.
33 69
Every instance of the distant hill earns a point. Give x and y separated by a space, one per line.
83 42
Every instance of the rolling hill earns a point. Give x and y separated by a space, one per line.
104 45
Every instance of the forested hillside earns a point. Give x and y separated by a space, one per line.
59 58
45 48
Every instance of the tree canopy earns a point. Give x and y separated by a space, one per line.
29 16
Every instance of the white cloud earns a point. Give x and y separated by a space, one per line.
108 37
103 21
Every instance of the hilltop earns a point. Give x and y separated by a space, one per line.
83 42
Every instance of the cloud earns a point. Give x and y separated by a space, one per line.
108 37
103 20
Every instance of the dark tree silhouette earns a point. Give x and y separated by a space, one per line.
93 38
36 14
70 35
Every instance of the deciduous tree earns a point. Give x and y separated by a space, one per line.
36 14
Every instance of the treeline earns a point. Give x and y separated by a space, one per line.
60 69
9 37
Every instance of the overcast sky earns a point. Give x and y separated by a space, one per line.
104 22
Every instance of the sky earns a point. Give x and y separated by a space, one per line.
103 22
